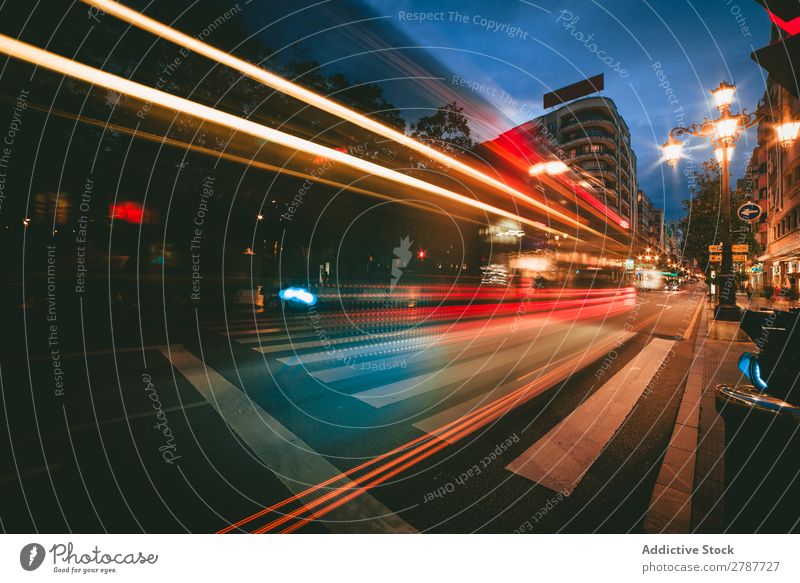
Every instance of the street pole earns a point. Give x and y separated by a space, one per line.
727 128
726 306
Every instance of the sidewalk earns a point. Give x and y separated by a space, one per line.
689 491
721 358
757 302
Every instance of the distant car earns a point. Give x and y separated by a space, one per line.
671 285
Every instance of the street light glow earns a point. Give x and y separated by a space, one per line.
672 151
552 168
723 95
729 151
787 133
725 127
537 169
556 167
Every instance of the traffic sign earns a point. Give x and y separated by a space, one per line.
740 258
715 248
749 211
740 248
715 258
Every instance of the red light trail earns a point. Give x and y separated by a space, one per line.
424 446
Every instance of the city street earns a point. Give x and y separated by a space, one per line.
253 409
360 267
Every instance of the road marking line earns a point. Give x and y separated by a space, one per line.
292 461
32 472
439 352
575 362
412 342
256 331
501 356
561 458
670 509
462 373
690 327
317 343
438 338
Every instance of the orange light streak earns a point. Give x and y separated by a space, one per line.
457 430
441 438
54 62
285 86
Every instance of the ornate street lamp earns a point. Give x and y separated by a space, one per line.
728 151
724 132
672 151
787 132
723 95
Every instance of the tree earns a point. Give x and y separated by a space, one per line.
446 130
702 225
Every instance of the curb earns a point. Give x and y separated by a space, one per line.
670 509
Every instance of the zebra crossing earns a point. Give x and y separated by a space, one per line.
433 374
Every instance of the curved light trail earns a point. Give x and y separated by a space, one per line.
278 83
54 62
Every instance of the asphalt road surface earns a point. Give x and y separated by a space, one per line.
534 419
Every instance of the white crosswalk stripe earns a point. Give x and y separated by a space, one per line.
407 388
408 341
561 458
539 380
385 347
453 360
293 461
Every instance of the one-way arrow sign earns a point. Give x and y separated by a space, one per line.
749 211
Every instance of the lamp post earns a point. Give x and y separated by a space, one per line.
724 132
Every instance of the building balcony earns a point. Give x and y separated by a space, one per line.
625 169
787 244
607 157
608 124
793 190
605 174
583 139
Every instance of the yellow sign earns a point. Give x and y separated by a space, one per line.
740 248
715 248
715 258
740 258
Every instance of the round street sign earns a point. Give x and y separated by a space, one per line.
749 211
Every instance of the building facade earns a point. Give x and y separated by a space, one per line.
778 180
657 228
645 221
594 137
